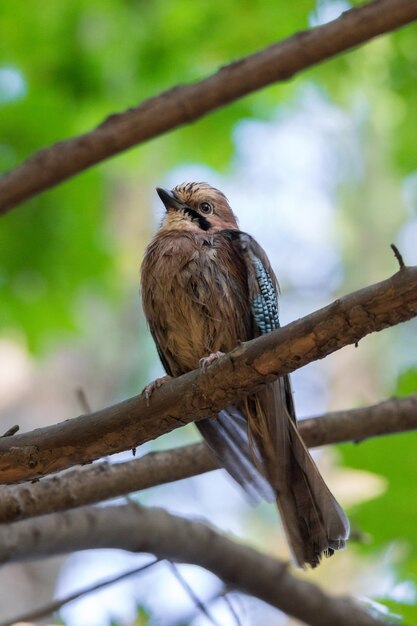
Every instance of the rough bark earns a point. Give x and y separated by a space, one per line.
201 394
186 103
178 539
103 481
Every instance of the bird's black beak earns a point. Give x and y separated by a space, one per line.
169 200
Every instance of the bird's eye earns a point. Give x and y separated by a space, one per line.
206 208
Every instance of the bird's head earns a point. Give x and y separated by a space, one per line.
196 206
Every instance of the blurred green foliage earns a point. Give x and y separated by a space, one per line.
142 618
394 513
407 382
80 61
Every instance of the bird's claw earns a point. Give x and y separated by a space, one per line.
155 384
208 360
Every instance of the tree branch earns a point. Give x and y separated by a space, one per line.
103 481
186 103
174 538
195 395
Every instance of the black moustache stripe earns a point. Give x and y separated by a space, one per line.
203 223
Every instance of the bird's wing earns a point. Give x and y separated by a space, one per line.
262 284
314 522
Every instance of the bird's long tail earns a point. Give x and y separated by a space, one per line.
260 447
314 522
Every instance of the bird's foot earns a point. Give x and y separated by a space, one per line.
149 389
208 360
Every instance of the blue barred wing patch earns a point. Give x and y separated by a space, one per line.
264 304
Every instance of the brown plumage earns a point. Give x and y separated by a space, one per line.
205 287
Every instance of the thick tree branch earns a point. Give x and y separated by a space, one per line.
177 539
103 481
385 418
186 103
197 394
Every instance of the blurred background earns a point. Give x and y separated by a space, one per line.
322 170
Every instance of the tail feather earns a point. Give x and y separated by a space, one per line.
314 522
259 445
227 438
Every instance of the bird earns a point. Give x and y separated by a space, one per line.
206 286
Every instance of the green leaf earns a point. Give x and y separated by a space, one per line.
407 383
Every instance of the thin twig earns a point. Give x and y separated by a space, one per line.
398 256
11 431
52 607
83 400
187 588
190 592
226 598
